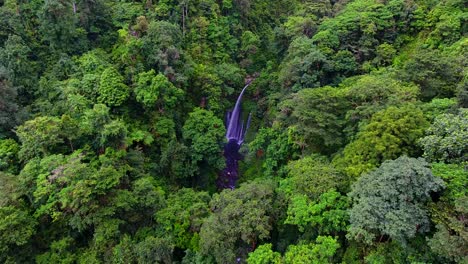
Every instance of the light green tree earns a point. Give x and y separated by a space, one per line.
156 91
16 227
204 133
389 134
264 255
322 251
112 90
446 138
9 155
184 215
327 215
39 136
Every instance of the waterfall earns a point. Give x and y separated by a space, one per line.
235 125
235 134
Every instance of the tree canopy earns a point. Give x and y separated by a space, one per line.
113 131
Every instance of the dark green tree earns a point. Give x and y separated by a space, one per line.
317 118
16 228
59 25
435 73
8 104
241 218
450 239
391 201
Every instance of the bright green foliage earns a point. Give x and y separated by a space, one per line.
449 214
104 131
447 138
385 53
148 195
112 91
277 148
446 20
264 255
93 62
372 93
437 107
127 53
156 90
111 131
250 42
106 231
184 217
58 253
140 136
390 200
8 155
300 25
318 252
456 178
231 76
250 45
123 253
248 211
322 251
327 214
389 134
214 83
68 189
362 25
209 85
147 89
16 228
311 176
204 132
39 136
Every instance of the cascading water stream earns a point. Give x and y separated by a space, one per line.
235 133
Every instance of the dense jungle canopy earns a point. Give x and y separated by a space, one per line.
112 131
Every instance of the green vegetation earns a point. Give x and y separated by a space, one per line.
111 131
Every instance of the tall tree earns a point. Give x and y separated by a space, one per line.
8 104
389 134
390 201
241 218
204 133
